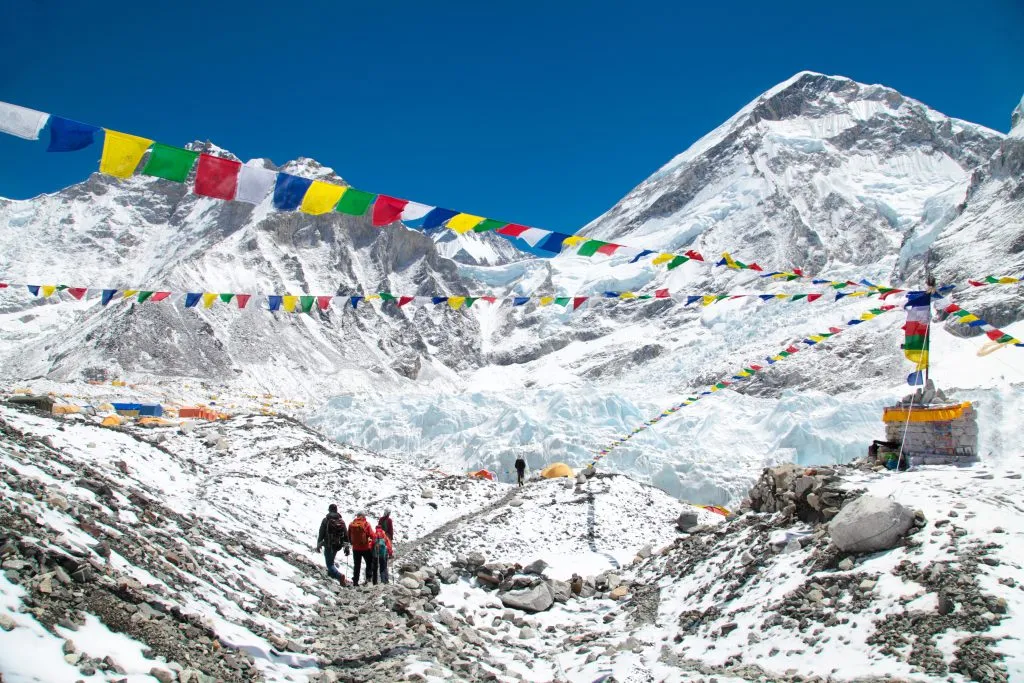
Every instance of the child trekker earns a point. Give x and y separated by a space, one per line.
382 552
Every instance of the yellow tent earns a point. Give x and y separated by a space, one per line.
556 469
105 408
112 421
154 422
66 409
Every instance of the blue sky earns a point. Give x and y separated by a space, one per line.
544 113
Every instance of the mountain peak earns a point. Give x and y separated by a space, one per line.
1017 120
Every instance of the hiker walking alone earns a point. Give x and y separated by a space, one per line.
360 535
385 523
520 468
332 537
382 552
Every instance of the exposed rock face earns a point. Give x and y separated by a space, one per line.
869 524
809 494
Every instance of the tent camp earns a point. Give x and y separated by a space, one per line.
556 469
112 421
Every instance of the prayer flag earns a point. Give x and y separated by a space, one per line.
574 240
160 296
520 300
321 198
289 191
242 300
403 300
129 293
169 163
289 301
545 300
48 290
226 297
77 292
662 258
463 223
577 301
488 224
70 136
21 121
192 298
437 217
470 300
208 299
354 202
456 301
254 183
438 300
122 153
387 210
590 247
414 211
143 296
106 295
354 300
512 230
274 302
661 294
217 177
645 252
323 302
797 297
562 300
813 297
306 303
552 242
607 249
677 261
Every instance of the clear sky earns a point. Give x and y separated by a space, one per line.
544 113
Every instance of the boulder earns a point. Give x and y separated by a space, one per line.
618 593
560 590
536 567
427 493
869 524
475 559
687 521
536 599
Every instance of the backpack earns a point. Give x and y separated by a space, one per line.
359 535
381 548
335 532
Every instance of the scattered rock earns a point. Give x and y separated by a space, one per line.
6 623
870 524
536 599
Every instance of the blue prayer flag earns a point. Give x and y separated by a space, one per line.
765 297
854 322
437 217
107 295
192 298
289 191
552 242
976 323
840 295
691 299
916 379
70 136
918 299
438 299
520 300
34 289
355 301
645 252
274 302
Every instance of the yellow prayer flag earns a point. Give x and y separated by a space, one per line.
129 293
729 260
546 300
48 290
714 387
627 295
743 373
289 301
782 296
371 297
969 318
817 338
456 301
208 300
867 316
861 293
662 258
321 198
573 240
122 153
463 222
1008 280
708 300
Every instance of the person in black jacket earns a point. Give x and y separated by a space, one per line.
386 524
333 537
520 468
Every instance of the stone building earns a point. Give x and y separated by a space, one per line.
933 434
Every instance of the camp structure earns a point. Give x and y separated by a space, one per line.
200 412
482 474
112 421
930 435
44 403
66 409
139 409
556 469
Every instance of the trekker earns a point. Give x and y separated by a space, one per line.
382 552
385 523
360 535
332 538
520 468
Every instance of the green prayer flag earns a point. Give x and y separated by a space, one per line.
677 261
306 303
992 280
470 300
1005 338
386 296
783 353
797 297
488 224
144 295
169 163
61 288
642 296
961 313
838 285
915 342
562 300
590 247
354 202
227 297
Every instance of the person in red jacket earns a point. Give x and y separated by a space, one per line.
360 535
382 552
387 525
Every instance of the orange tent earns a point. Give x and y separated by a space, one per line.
482 474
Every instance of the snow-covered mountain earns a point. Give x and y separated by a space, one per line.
842 179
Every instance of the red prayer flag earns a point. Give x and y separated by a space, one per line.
994 334
160 296
737 296
3 285
387 210
489 299
890 292
661 294
975 283
791 349
403 300
755 368
242 299
694 255
834 330
217 177
913 328
813 297
754 266
77 292
512 230
577 301
322 302
608 249
798 271
952 308
887 308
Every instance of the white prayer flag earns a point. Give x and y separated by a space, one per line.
254 182
414 211
21 121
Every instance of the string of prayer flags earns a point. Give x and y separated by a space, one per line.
122 153
992 280
742 375
916 332
963 317
217 177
